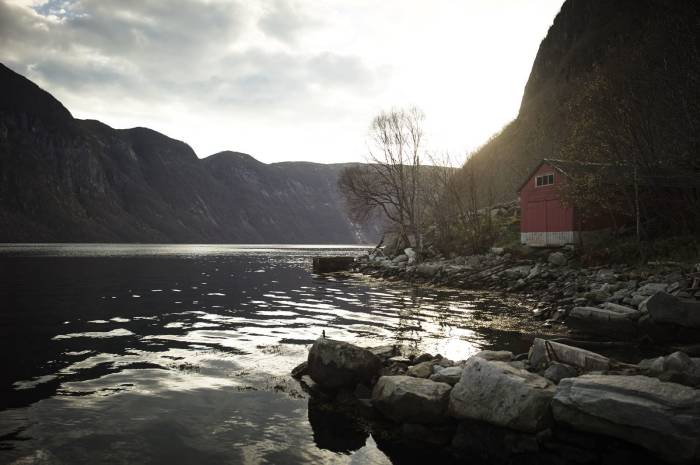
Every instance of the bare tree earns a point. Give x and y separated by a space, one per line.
391 180
457 206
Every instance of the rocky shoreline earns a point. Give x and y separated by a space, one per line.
557 404
658 303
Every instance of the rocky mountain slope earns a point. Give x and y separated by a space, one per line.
612 79
69 180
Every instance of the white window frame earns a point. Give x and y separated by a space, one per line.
543 177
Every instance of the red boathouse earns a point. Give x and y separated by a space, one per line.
545 219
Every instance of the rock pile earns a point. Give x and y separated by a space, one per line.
560 405
661 302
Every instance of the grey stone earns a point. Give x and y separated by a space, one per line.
384 352
665 308
661 417
449 375
600 321
445 362
422 358
558 371
334 364
652 288
495 355
543 353
408 399
631 313
421 370
500 394
557 259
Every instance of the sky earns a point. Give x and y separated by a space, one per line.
282 80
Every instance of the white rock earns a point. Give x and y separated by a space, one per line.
411 254
661 417
543 352
413 400
500 394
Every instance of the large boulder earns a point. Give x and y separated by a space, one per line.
503 395
596 320
543 353
666 309
412 400
661 417
334 364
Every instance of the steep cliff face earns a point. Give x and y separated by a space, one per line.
68 180
624 72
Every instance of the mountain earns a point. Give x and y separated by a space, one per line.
613 79
68 180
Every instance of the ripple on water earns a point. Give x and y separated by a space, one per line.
167 364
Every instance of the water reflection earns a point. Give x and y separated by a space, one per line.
124 338
334 431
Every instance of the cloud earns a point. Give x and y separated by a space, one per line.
206 55
284 21
266 75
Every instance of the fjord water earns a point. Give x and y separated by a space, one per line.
181 353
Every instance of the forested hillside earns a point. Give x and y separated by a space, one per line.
612 80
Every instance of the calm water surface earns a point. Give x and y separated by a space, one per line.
181 354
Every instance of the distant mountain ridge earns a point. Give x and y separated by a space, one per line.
69 180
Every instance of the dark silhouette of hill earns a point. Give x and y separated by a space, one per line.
69 180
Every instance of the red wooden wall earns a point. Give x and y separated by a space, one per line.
541 207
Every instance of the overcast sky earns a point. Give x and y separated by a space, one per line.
279 79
